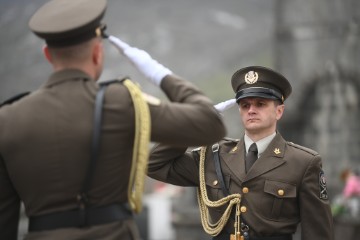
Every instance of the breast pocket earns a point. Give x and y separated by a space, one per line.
284 199
214 189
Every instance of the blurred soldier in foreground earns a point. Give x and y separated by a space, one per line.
258 187
75 151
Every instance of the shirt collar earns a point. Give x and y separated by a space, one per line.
262 144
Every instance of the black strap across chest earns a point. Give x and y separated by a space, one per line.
220 176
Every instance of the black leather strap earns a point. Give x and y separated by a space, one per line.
220 176
95 146
74 218
226 236
216 158
282 237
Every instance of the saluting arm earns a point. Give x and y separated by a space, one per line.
190 119
149 67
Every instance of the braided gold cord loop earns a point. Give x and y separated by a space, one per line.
204 203
141 147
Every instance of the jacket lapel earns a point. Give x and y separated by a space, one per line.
234 159
271 158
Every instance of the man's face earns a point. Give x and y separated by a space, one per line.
260 115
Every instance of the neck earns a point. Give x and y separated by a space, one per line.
258 136
88 70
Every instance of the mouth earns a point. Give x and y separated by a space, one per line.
253 119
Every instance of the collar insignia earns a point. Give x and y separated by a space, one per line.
277 151
234 149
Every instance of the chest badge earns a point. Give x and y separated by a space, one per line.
277 151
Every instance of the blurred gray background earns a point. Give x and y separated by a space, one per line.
314 43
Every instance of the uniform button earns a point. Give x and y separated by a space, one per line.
281 192
243 209
245 190
215 182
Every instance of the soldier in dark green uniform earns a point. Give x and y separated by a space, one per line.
271 184
74 181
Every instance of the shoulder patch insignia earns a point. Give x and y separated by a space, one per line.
151 99
322 185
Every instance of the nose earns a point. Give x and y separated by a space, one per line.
252 108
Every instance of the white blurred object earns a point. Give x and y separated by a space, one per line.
149 67
160 222
221 107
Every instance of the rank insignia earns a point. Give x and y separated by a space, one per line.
251 77
234 149
277 151
322 185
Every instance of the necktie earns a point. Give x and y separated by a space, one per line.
251 156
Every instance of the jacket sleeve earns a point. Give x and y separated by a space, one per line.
9 206
316 217
189 119
174 165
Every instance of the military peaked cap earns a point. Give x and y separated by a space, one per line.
256 81
68 22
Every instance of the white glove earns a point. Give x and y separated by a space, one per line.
149 67
221 107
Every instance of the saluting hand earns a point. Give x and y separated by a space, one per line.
221 107
149 67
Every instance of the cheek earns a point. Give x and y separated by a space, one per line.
242 115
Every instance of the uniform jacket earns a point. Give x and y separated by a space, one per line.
284 187
45 145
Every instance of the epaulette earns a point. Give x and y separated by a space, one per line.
196 149
14 98
225 139
116 80
305 149
231 139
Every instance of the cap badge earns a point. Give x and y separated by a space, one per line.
251 77
277 151
98 32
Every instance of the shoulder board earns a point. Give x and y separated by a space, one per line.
117 80
196 149
14 98
231 139
305 149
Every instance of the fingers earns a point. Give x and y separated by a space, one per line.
119 44
221 107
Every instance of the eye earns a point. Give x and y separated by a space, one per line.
261 104
244 105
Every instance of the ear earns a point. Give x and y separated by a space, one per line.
279 111
47 54
97 54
